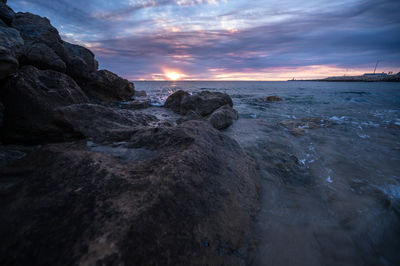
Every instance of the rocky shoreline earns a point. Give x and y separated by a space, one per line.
89 176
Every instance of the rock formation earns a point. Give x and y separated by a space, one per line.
91 182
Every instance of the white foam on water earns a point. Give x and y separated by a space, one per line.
254 116
363 136
393 191
329 179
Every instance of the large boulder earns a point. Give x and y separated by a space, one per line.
30 98
10 47
101 123
36 29
6 13
41 56
223 117
181 195
104 85
203 103
174 101
85 54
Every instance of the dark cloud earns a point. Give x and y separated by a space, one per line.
349 35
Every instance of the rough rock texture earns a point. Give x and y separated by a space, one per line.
107 86
35 29
189 200
30 97
191 115
205 102
84 53
8 63
174 101
11 39
102 123
223 117
6 13
41 56
80 63
10 46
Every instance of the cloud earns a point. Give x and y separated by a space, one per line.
237 36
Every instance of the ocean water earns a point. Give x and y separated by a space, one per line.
329 158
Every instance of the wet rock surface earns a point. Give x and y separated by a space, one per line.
191 200
101 123
223 117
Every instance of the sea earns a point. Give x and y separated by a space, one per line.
329 159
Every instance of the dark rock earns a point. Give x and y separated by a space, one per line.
1 114
36 29
6 13
205 102
80 63
139 104
71 204
102 123
11 39
78 69
30 97
107 86
174 101
3 1
10 46
191 115
84 53
273 99
140 94
41 56
223 117
8 63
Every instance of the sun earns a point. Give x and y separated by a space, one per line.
173 75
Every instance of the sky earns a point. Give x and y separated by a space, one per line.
230 39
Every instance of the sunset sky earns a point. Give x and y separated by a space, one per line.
230 39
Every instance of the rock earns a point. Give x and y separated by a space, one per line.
10 45
273 99
223 117
101 123
84 53
80 63
11 39
42 56
8 63
36 29
174 101
190 198
78 70
107 86
3 1
1 114
6 13
140 94
30 97
139 104
191 115
205 102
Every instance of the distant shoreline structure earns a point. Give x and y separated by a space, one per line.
367 77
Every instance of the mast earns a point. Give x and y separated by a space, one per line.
377 62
